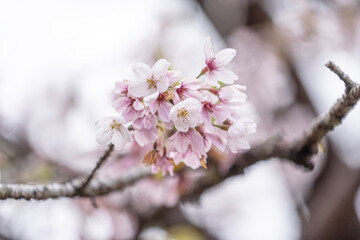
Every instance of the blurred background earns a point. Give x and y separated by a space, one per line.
59 61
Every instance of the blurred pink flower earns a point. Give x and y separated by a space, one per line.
232 94
165 165
238 131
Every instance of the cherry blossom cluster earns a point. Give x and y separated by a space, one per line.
182 118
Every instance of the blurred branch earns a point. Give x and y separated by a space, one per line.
298 152
301 151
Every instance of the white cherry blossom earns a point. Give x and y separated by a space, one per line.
112 130
237 133
186 114
150 81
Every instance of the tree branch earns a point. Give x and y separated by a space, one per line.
298 152
97 187
301 151
100 162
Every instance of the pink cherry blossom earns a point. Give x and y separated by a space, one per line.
147 121
181 141
129 108
173 76
238 131
149 81
112 130
211 110
186 114
214 70
216 137
145 136
233 94
164 164
187 88
120 89
190 158
162 107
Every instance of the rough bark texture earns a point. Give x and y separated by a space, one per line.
97 187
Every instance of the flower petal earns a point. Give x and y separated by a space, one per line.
160 68
192 103
208 49
131 114
104 122
205 116
138 105
142 71
182 126
211 79
119 141
162 84
164 111
140 89
225 76
146 136
121 103
224 56
173 76
196 141
151 98
233 93
125 133
237 130
242 144
191 159
104 135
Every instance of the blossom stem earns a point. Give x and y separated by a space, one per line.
203 71
222 127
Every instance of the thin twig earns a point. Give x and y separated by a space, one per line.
343 76
99 163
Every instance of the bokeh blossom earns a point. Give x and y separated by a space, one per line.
180 119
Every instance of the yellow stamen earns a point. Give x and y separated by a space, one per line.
115 125
203 164
151 83
182 112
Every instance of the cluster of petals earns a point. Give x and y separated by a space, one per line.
182 118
